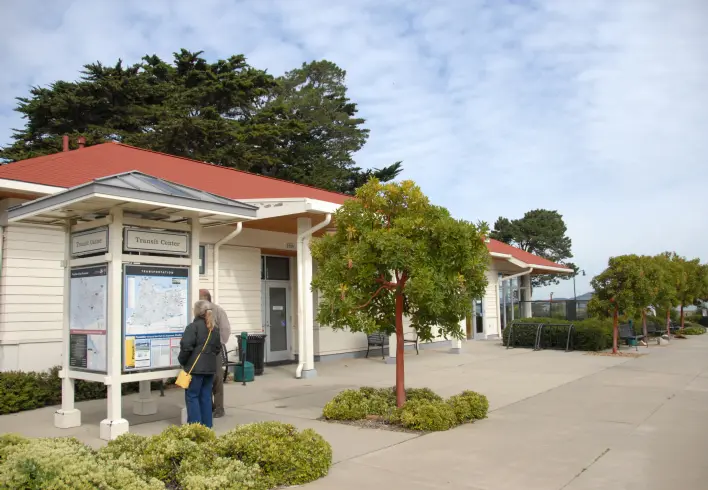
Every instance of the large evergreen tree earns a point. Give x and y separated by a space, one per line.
300 127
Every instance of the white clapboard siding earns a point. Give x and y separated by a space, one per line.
491 304
240 287
31 285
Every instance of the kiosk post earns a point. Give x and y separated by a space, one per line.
67 416
114 424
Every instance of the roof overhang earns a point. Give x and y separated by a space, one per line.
135 192
275 208
537 268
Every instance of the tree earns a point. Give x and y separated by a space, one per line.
394 254
299 127
540 232
691 283
666 295
622 287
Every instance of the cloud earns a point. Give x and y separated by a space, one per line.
594 108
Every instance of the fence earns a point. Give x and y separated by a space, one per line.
564 309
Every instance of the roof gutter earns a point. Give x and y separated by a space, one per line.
217 246
514 276
303 239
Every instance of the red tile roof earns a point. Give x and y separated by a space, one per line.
495 246
72 168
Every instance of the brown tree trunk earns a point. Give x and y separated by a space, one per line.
668 321
400 381
644 327
682 317
615 331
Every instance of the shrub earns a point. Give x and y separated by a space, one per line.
469 406
703 321
592 334
286 456
21 391
347 405
64 464
693 331
422 394
8 443
428 415
200 471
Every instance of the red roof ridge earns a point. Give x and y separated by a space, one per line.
218 166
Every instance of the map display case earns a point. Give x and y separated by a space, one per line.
88 288
156 310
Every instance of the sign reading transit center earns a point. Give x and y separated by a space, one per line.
155 313
164 242
89 242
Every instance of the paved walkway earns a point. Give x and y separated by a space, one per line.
557 421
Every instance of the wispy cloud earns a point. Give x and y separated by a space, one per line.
594 108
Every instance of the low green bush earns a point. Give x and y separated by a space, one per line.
469 406
21 391
286 456
427 415
421 394
693 331
347 405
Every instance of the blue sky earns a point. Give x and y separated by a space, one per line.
598 109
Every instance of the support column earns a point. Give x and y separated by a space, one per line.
114 424
145 404
526 311
391 358
305 303
456 344
67 416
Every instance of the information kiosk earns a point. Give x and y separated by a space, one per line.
131 277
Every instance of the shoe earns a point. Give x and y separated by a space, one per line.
217 414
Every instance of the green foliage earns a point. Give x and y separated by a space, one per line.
65 464
204 471
389 241
8 443
541 232
285 455
422 394
469 406
624 286
427 415
30 390
347 405
300 127
592 334
693 331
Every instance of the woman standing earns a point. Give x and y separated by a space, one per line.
199 347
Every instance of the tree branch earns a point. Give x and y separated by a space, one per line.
372 298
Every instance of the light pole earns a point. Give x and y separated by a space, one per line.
575 296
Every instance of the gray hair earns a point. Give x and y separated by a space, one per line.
203 308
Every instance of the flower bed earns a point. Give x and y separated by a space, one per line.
250 457
424 410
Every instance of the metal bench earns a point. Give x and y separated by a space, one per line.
626 333
381 340
517 331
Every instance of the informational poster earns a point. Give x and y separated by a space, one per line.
156 312
87 318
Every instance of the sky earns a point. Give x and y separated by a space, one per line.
596 109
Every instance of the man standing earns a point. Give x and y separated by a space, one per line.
222 323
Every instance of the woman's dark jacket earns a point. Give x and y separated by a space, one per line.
193 338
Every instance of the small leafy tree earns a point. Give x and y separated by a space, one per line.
666 297
690 284
395 254
622 287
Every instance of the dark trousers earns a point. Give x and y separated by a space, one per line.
218 390
198 400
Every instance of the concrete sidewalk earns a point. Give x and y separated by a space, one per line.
557 420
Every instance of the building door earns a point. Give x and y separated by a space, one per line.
277 320
479 319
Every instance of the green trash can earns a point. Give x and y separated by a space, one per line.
244 373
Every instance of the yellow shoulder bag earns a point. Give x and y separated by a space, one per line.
185 378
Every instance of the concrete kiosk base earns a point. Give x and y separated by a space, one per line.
111 429
66 419
144 406
308 374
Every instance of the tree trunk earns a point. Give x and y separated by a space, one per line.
644 327
668 321
615 331
682 317
400 382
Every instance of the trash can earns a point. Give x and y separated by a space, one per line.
243 374
255 351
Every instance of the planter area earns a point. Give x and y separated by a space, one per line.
423 411
257 456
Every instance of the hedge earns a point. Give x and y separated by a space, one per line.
592 334
424 410
693 331
21 391
189 457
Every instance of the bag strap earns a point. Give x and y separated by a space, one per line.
200 352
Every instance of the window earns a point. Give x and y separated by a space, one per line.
202 260
275 268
